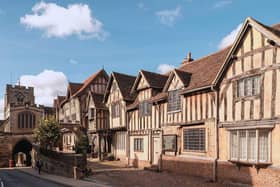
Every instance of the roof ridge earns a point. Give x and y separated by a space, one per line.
201 58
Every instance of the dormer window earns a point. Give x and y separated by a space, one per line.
174 101
145 109
249 86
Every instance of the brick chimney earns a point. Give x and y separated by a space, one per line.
187 59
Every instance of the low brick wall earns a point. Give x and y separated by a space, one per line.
189 166
62 164
139 163
226 171
249 175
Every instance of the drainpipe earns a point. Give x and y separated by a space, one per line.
215 163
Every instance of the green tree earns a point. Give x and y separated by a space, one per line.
82 143
47 134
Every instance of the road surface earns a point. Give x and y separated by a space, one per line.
16 178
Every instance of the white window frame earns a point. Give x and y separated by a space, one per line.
248 160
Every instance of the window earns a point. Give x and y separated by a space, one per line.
249 145
138 144
145 108
174 101
92 111
249 86
26 120
115 110
194 139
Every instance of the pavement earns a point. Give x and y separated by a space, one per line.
28 177
14 178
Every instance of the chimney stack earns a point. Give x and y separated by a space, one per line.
187 59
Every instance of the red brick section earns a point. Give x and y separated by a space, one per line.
226 171
249 175
188 166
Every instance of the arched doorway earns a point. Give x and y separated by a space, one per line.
22 153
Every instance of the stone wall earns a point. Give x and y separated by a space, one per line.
59 163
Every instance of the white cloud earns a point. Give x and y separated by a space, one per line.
168 17
58 21
165 68
142 6
73 61
221 4
229 39
1 109
47 85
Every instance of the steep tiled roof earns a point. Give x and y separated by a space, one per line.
125 83
74 87
155 80
185 77
98 100
204 70
89 80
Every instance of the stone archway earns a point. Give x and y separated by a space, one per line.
22 153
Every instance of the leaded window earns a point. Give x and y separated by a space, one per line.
250 145
26 120
145 108
138 144
174 101
249 86
194 139
115 110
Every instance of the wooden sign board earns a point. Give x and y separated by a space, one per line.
170 143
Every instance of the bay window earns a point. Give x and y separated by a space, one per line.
251 146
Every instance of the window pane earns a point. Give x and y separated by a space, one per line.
256 85
174 101
234 145
252 148
263 146
248 87
240 88
194 139
242 145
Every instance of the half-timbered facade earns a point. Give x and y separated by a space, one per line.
74 110
98 124
143 120
117 97
249 98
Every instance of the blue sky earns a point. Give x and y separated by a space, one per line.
122 36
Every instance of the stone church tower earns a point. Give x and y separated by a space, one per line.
21 114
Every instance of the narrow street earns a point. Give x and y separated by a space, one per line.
14 178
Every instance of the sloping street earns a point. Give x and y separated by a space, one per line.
14 178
